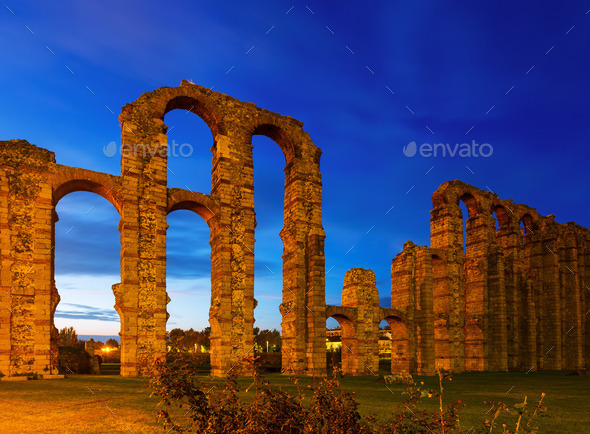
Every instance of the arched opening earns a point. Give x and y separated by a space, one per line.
441 307
400 345
502 218
188 283
528 225
191 130
342 344
385 346
469 209
269 187
189 159
86 265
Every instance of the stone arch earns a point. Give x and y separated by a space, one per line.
302 234
142 124
280 136
471 203
206 208
400 345
232 123
350 345
503 216
70 180
199 203
190 97
452 192
529 223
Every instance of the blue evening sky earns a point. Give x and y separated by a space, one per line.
367 79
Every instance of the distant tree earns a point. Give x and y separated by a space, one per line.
173 337
188 340
68 337
112 343
273 337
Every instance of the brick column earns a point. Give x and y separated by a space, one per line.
496 339
141 295
532 302
508 237
403 343
360 292
479 232
424 316
446 234
571 301
26 259
441 301
232 256
549 350
303 307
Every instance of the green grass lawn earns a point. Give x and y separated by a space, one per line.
86 403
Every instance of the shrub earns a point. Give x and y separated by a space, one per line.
74 360
213 406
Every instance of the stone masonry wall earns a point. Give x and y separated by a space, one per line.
31 185
517 298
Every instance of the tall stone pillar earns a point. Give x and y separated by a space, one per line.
403 293
360 292
424 315
571 300
141 296
303 307
446 234
549 348
232 256
508 237
441 302
496 337
25 259
533 252
480 234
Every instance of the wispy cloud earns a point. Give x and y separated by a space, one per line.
85 312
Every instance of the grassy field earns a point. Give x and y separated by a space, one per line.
86 403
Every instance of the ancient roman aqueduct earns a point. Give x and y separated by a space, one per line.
512 301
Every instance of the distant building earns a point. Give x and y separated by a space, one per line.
334 339
385 343
334 332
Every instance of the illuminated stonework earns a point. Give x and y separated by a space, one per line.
32 184
518 297
512 301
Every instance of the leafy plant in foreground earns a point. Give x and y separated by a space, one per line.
189 403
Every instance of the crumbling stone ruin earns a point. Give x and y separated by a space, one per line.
32 183
359 317
514 300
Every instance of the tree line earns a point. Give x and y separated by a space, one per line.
200 341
